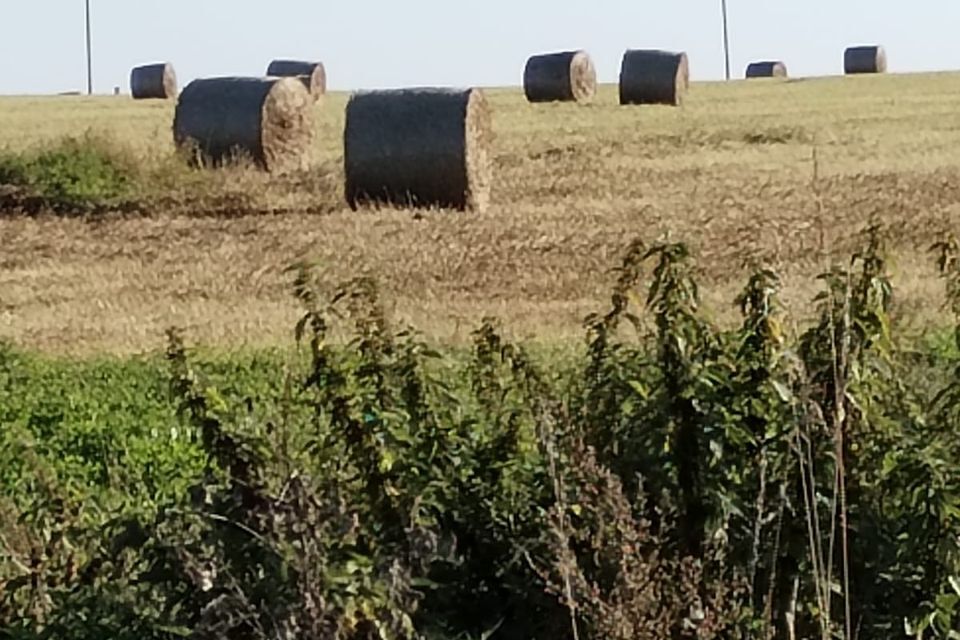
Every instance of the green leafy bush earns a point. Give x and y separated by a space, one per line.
683 481
74 175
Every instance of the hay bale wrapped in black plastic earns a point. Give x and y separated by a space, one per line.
767 69
418 148
649 76
568 76
865 59
312 74
265 119
153 81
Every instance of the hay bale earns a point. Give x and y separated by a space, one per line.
153 81
312 74
265 119
654 77
865 59
560 77
767 69
418 148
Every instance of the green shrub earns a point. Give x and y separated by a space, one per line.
74 175
696 483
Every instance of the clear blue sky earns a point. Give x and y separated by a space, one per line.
388 43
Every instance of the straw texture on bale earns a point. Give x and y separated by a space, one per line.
865 59
654 77
418 148
767 69
312 74
157 81
265 119
560 77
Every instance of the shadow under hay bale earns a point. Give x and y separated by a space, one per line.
569 76
418 148
312 74
153 81
650 76
864 59
265 119
767 69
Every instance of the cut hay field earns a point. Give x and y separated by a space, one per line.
781 172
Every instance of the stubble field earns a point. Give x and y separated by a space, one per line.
784 173
722 472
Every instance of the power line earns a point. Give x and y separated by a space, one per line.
89 54
726 38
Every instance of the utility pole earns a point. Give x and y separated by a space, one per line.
726 38
89 54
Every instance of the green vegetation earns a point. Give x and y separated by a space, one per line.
672 480
75 175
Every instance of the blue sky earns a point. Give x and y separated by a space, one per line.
391 43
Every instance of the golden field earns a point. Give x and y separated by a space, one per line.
776 172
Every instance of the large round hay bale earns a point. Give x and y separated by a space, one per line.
418 148
153 81
312 74
267 120
865 59
767 69
568 76
654 77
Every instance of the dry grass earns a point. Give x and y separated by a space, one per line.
732 173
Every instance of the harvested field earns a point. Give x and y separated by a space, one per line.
732 172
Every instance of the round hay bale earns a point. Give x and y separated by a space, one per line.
312 74
654 77
265 119
153 81
767 69
865 59
568 76
418 148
